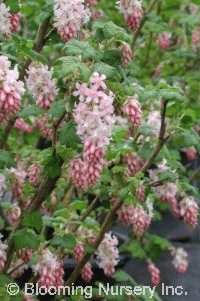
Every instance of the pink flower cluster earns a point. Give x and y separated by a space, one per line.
13 213
189 211
69 16
163 40
78 252
108 254
17 268
190 152
86 273
94 115
11 90
155 274
41 85
22 126
2 254
133 163
2 184
132 11
196 37
14 20
126 55
136 216
50 270
5 26
140 192
180 262
46 130
133 111
16 185
8 22
34 174
125 214
167 191
25 255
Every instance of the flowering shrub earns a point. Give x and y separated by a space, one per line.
98 105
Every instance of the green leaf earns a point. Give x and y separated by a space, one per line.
67 241
166 94
121 276
89 249
33 219
30 111
6 158
25 238
190 138
133 247
64 152
67 134
122 193
4 279
188 118
14 6
112 57
105 69
52 166
79 205
167 175
69 64
37 56
118 133
46 10
75 47
57 108
145 150
85 72
147 129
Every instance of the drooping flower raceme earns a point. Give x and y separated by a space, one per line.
126 55
108 254
155 274
69 16
189 211
180 262
11 90
41 84
5 25
163 40
50 270
133 111
132 11
22 126
94 115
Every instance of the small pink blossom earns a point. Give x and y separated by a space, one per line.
163 40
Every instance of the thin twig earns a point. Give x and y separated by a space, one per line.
161 141
194 175
111 216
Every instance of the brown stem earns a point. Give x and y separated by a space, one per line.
85 214
161 141
15 268
38 44
45 188
7 132
68 196
148 50
55 128
149 8
105 227
194 175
